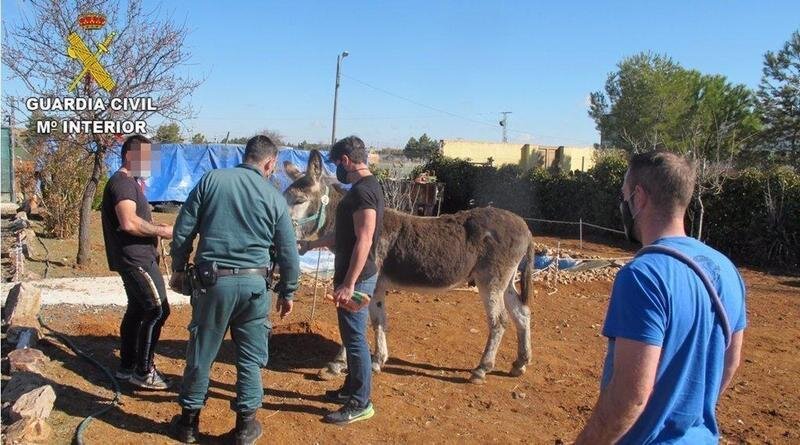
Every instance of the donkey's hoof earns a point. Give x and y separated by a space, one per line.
376 367
477 379
327 374
517 371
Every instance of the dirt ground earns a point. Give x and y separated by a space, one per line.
422 395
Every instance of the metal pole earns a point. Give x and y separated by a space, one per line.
504 124
11 143
335 98
580 225
336 93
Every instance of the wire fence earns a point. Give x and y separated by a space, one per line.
580 223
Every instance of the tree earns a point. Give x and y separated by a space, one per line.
424 147
274 136
240 141
199 138
169 133
305 145
651 102
779 98
143 59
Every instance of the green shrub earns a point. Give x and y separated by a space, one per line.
755 219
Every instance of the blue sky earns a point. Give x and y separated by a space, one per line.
272 64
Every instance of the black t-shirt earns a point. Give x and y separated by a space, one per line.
123 250
365 194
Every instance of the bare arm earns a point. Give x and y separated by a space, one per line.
131 223
364 222
328 241
732 357
623 400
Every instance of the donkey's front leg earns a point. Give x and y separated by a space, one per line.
377 315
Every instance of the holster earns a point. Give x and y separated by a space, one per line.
207 273
188 284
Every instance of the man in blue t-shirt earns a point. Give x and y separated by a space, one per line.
667 363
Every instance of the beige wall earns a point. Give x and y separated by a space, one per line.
501 153
526 155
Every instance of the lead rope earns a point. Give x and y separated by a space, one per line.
316 278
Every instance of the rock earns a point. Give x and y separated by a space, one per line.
22 309
20 383
518 395
28 360
26 431
473 331
35 404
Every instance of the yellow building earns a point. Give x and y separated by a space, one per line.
524 155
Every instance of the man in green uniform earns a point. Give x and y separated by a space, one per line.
238 215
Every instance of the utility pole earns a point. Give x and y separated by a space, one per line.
504 124
339 59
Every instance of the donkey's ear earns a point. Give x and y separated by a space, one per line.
315 168
292 171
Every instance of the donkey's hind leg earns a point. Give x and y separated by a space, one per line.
336 367
521 315
491 290
377 315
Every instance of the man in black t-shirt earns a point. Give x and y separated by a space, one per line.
131 239
359 217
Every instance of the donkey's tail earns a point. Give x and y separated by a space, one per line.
527 274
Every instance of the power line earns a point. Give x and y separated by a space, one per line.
455 115
420 104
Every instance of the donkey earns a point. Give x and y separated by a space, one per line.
431 254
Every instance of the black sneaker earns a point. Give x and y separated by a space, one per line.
350 413
153 380
337 396
123 374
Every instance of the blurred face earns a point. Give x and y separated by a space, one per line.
139 158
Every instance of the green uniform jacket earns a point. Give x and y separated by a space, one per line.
238 215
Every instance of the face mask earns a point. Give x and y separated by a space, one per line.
341 174
628 220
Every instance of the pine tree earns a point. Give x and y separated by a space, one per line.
779 98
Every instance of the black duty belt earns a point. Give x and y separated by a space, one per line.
225 272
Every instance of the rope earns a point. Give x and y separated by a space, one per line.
114 402
316 277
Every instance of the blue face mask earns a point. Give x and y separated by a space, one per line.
341 174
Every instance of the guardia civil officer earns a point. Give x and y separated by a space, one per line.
238 216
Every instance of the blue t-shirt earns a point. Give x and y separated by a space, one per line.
659 300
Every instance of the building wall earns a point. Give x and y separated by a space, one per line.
525 155
501 153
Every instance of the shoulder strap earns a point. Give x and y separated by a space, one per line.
712 292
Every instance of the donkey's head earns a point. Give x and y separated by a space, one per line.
310 198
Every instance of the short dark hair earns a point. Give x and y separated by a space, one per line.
667 178
259 148
126 146
352 146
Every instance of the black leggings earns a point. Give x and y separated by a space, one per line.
147 310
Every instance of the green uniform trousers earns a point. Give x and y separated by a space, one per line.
242 303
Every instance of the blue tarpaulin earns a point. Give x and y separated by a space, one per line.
177 167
